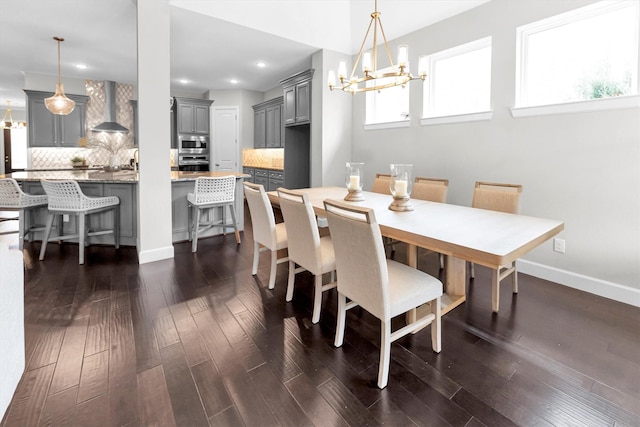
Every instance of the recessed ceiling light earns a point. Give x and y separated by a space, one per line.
183 81
233 81
261 64
81 66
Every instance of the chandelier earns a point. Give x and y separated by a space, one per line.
59 103
398 75
8 118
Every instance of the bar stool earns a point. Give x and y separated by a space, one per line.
211 192
66 198
12 198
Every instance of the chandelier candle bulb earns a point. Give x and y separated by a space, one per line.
423 65
366 62
403 55
331 79
342 70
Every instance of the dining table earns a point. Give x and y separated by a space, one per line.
464 234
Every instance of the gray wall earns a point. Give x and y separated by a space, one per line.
581 168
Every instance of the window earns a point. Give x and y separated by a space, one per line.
588 53
388 105
459 81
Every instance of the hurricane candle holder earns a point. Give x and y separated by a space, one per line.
353 181
400 185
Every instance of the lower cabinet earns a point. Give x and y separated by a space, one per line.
276 180
270 179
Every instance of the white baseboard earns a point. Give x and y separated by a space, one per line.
155 255
581 282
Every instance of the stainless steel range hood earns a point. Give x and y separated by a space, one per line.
109 124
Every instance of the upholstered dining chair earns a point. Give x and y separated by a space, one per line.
502 198
381 184
12 198
308 250
267 235
67 198
210 193
432 190
383 287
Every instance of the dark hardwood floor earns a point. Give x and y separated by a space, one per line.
197 340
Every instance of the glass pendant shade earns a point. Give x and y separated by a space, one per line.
59 103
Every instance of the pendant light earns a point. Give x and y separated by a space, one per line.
59 103
8 118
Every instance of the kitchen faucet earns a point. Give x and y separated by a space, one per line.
135 160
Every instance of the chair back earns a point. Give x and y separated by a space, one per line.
497 197
262 219
215 189
300 221
381 184
10 193
64 195
430 189
361 264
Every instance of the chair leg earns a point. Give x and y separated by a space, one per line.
274 269
495 291
47 232
81 237
235 224
342 316
21 232
317 299
190 221
256 258
290 282
436 326
196 226
116 226
385 354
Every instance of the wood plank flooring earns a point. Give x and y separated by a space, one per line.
197 340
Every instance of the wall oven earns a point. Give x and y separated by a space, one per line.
193 153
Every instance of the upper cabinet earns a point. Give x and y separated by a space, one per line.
46 129
268 125
192 115
297 98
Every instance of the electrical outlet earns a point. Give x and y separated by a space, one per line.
65 218
558 245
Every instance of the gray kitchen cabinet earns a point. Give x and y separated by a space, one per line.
249 171
192 115
46 129
260 128
262 178
268 124
297 98
276 180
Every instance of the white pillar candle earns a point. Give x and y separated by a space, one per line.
354 182
401 188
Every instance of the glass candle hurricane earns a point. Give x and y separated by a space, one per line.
353 181
400 185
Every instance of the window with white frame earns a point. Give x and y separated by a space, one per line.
459 80
387 105
588 53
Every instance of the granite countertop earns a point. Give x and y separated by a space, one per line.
271 168
125 176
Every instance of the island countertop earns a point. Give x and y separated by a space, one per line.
125 176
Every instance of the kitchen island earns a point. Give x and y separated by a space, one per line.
124 184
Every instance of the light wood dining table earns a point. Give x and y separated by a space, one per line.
484 237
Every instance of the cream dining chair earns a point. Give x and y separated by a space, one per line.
383 287
267 235
210 193
12 198
308 250
501 198
432 190
381 184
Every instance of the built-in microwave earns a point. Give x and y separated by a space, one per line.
193 144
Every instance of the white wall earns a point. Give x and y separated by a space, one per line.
581 168
243 99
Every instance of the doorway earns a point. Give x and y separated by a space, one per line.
225 150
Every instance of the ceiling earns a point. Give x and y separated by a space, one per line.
212 41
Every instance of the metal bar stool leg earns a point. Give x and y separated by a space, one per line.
82 234
47 233
235 223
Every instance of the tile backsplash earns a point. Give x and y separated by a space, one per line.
269 158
